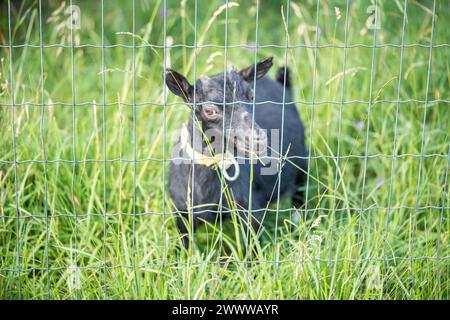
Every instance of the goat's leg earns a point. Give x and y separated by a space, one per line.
298 196
182 223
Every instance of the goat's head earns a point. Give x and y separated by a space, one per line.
231 109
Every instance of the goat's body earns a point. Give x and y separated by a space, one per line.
206 189
269 115
201 185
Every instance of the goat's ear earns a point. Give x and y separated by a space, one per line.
179 85
260 68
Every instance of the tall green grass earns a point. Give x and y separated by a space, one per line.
375 227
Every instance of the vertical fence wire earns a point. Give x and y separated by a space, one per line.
164 134
194 106
75 164
394 147
280 168
135 265
13 131
359 240
250 200
222 165
422 146
44 154
105 284
338 173
311 121
366 148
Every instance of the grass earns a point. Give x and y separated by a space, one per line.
74 226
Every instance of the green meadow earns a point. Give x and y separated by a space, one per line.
87 127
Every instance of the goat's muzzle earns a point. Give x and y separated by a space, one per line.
251 144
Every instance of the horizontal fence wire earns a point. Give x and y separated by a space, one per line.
233 261
260 46
360 207
370 156
198 212
168 104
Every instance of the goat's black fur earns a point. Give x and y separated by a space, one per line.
206 189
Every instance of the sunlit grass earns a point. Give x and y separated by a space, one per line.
388 240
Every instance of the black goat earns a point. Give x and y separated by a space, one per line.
216 110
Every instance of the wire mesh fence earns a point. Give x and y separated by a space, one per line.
88 126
